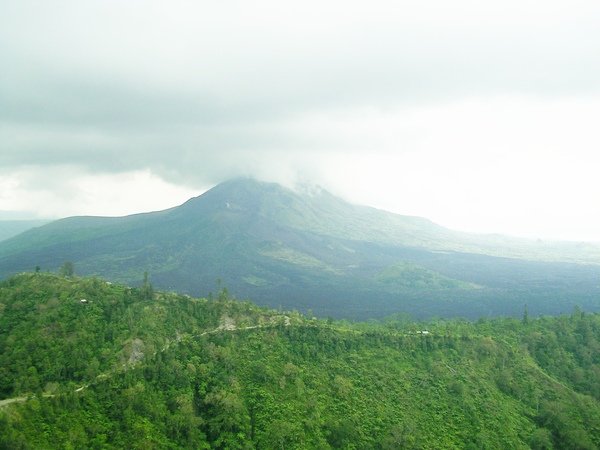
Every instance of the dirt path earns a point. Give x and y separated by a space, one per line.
8 401
227 325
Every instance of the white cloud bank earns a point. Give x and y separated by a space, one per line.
479 115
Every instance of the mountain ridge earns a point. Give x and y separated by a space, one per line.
11 227
318 252
383 226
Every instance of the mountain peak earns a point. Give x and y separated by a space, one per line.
239 194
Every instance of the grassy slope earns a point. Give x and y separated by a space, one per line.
168 371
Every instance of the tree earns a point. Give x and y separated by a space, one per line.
341 433
403 435
541 439
147 289
67 269
228 420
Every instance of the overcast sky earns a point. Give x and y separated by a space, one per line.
480 115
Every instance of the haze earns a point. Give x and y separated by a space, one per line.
481 116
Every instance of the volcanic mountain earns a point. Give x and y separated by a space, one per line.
310 250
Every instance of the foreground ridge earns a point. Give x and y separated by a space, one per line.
138 368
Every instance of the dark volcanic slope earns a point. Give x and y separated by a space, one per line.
312 251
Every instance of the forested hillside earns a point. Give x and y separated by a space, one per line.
88 364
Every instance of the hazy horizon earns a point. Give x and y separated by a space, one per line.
480 117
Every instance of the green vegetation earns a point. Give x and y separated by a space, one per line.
66 270
291 256
412 276
88 364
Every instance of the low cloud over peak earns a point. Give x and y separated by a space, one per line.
430 109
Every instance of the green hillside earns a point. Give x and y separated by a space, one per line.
411 276
136 368
314 251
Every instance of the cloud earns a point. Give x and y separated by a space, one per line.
66 191
411 97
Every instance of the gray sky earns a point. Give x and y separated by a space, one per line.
481 116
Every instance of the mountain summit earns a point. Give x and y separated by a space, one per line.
311 250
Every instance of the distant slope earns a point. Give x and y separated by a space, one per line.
312 251
132 368
10 228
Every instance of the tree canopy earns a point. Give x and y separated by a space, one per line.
123 370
